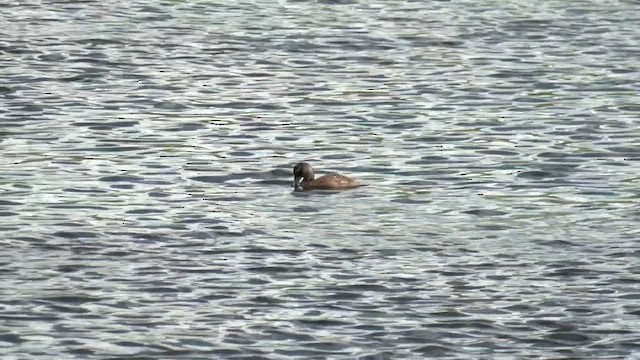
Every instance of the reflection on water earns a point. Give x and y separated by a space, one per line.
146 205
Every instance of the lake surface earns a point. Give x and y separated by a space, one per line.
146 154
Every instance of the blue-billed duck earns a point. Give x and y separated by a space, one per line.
304 179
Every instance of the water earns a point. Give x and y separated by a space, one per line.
146 207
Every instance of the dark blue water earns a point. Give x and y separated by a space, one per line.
146 154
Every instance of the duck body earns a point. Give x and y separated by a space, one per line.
304 180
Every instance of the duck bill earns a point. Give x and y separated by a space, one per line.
296 181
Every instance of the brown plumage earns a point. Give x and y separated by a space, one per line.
304 180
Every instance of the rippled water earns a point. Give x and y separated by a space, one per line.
146 208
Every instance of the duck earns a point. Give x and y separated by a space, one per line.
304 180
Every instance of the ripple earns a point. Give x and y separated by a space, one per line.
75 234
121 178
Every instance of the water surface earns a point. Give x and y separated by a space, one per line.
146 207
